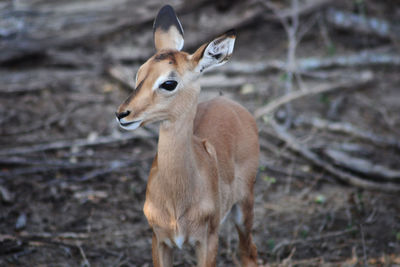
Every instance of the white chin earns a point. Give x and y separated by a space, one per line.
132 126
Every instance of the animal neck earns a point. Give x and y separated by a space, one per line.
175 156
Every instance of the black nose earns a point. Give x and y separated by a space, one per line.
122 114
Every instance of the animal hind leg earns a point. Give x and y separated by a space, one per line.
243 218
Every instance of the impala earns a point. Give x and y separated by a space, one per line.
207 154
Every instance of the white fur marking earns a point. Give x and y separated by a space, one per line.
159 81
179 241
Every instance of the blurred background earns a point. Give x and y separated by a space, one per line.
321 76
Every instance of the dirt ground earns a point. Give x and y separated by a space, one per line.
72 184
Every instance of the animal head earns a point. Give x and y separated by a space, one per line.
164 83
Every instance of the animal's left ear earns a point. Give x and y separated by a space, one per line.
167 30
214 53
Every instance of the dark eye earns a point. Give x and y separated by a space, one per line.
169 85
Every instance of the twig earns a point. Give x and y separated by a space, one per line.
339 174
86 262
279 153
362 165
288 260
291 32
365 78
364 247
102 140
66 235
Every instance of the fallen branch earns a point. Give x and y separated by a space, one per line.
31 170
52 166
53 163
347 128
339 174
284 171
305 65
67 235
44 238
365 78
362 165
362 59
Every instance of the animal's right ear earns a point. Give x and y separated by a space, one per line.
215 53
167 30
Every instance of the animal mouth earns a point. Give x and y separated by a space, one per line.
131 125
126 124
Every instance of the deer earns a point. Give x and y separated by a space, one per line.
207 153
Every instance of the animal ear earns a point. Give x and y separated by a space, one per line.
167 30
214 53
